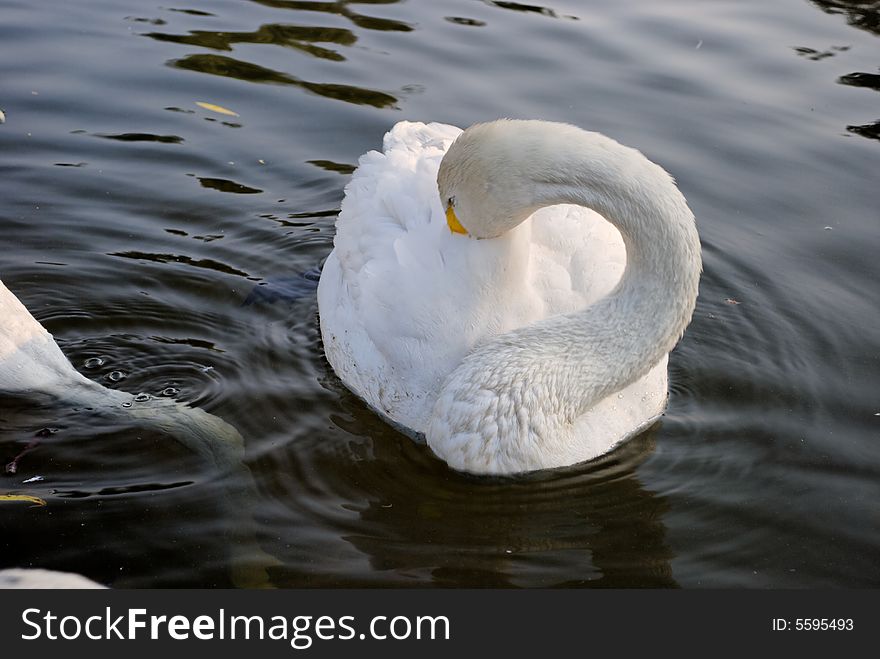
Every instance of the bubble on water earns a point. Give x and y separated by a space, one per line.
620 396
93 362
116 376
126 404
142 398
170 391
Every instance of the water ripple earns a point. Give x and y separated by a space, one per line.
229 67
341 7
762 473
299 37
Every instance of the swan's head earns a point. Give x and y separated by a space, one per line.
485 180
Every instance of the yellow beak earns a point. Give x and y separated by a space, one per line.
452 221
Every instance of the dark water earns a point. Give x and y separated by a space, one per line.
136 225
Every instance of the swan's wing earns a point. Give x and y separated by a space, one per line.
391 193
377 294
416 138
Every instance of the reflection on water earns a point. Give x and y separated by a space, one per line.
208 264
473 22
870 130
859 13
213 450
192 12
609 534
228 67
416 522
817 55
867 81
863 15
519 6
225 185
142 137
292 36
341 7
330 166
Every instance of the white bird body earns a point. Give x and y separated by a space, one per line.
32 363
35 578
476 344
28 353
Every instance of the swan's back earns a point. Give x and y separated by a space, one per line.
29 357
402 300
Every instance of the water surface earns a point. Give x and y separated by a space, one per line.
171 249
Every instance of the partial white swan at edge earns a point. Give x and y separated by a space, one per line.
545 343
31 363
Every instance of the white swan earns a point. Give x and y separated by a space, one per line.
545 345
32 363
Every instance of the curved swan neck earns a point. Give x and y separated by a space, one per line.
547 375
641 200
630 330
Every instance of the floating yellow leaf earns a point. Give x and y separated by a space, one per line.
216 108
23 497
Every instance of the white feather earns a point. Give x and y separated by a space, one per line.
403 301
